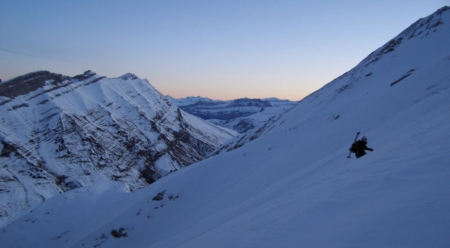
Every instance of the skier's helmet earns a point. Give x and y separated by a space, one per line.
364 138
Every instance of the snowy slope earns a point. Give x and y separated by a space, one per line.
59 133
294 185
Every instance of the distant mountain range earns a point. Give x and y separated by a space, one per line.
240 115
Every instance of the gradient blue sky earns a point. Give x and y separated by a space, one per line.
218 49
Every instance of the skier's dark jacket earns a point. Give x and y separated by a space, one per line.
361 147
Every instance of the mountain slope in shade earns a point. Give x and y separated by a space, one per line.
59 133
293 185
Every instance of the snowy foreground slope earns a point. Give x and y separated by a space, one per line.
294 185
58 133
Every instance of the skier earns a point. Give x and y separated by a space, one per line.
361 147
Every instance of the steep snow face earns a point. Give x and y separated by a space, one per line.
241 115
59 133
293 185
419 52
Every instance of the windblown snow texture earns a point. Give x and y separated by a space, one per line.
292 185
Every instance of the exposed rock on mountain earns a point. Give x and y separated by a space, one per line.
59 133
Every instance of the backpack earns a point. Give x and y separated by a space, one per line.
353 147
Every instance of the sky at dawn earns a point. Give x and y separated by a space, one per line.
217 49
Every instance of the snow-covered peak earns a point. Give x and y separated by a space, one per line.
425 26
58 133
128 76
89 73
416 32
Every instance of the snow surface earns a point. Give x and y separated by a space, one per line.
294 186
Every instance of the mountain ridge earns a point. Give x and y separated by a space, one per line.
60 133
